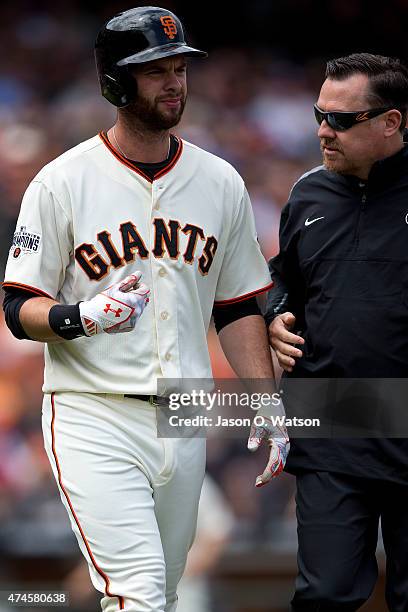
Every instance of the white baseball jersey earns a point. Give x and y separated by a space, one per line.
89 218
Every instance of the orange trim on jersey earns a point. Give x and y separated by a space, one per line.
241 298
132 166
173 162
122 159
98 569
38 292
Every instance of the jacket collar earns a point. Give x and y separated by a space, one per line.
398 161
383 171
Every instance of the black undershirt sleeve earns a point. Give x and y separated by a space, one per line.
223 315
12 303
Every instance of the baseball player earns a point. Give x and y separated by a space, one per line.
124 247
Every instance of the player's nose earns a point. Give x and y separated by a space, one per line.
174 81
325 131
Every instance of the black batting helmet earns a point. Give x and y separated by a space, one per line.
136 36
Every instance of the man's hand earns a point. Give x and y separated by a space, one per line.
278 441
117 309
282 340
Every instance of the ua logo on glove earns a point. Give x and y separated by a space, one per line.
130 298
117 312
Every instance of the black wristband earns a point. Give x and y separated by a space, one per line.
65 321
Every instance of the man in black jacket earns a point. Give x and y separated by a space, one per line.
342 278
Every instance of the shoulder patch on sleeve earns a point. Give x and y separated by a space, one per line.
25 241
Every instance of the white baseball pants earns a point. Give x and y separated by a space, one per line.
132 498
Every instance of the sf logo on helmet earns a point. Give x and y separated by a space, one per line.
169 26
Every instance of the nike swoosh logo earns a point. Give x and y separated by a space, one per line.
307 222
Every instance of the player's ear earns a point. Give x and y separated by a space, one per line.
392 122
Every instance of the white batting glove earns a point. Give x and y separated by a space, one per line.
116 309
276 437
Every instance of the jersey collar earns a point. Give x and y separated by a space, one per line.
133 166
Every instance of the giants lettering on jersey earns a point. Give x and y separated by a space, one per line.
166 243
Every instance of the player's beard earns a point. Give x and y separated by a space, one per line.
337 163
149 115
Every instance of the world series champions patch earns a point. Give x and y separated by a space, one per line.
25 242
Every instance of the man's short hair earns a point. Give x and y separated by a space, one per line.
388 78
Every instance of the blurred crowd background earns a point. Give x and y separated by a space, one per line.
251 103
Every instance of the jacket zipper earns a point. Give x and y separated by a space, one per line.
362 208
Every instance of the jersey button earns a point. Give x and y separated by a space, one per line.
162 272
167 356
164 315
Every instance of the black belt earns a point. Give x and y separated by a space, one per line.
152 399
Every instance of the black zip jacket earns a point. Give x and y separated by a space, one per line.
343 263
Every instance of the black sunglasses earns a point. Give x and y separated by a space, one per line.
342 121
